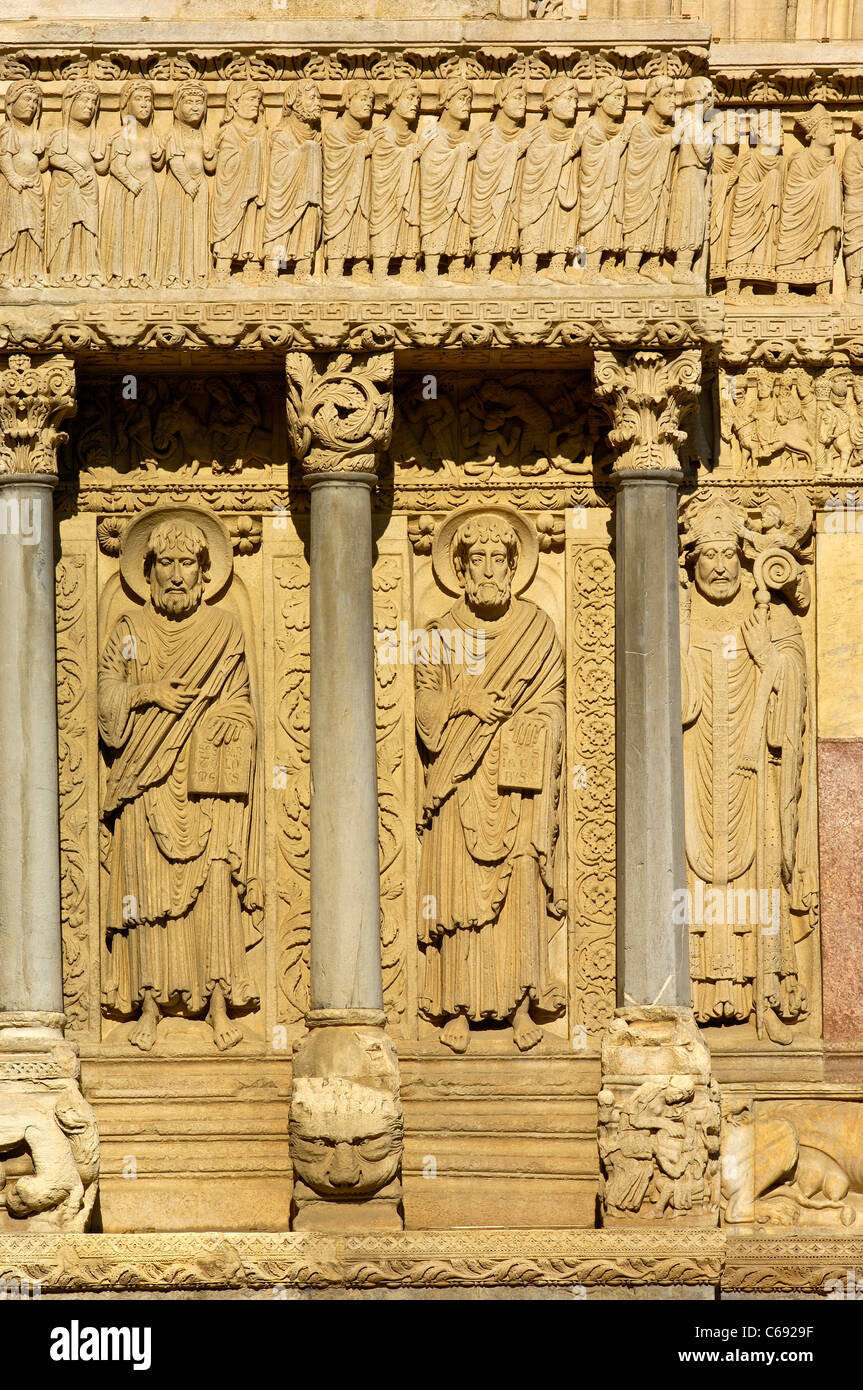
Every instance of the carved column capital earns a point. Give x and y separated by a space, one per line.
34 399
647 395
340 410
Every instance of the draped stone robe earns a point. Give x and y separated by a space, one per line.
492 861
753 216
548 198
394 221
811 218
22 214
445 179
743 831
852 223
493 219
347 190
237 207
644 189
292 225
179 862
599 169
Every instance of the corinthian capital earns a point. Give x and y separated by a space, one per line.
340 409
647 395
33 401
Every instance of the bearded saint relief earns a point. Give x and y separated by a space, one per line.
182 793
748 767
492 876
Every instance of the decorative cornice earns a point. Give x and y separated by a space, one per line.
33 401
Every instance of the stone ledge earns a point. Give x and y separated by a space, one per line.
409 1259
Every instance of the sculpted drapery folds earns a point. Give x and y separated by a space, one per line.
491 735
75 156
548 202
721 186
750 835
494 193
22 200
240 182
445 173
347 181
182 794
852 223
752 217
292 225
130 218
601 144
394 218
810 220
184 243
687 214
644 186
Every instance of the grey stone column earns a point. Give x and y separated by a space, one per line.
655 1063
346 1081
38 1069
646 393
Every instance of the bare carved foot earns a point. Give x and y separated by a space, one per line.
525 1032
225 1033
143 1035
456 1033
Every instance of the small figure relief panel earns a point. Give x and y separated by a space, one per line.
452 427
181 793
752 902
791 423
195 428
490 719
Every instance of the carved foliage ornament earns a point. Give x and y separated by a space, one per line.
340 409
33 401
647 394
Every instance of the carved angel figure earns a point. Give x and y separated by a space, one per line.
240 184
75 156
394 219
182 794
811 217
130 218
490 875
494 188
748 768
548 201
293 219
22 200
184 242
445 173
347 181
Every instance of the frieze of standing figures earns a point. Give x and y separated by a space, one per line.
530 177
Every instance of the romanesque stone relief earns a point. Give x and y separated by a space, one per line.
495 428
751 837
791 422
49 1144
346 1129
491 731
792 1163
188 426
182 800
571 175
659 1121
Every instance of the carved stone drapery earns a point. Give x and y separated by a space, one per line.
345 1098
42 1111
34 399
647 395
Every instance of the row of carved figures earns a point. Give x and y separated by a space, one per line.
619 200
779 220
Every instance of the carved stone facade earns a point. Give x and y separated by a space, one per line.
441 745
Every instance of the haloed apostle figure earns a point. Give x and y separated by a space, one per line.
491 735
181 802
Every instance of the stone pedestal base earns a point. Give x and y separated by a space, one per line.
659 1121
49 1144
346 1125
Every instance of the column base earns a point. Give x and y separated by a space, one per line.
659 1121
49 1143
346 1125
